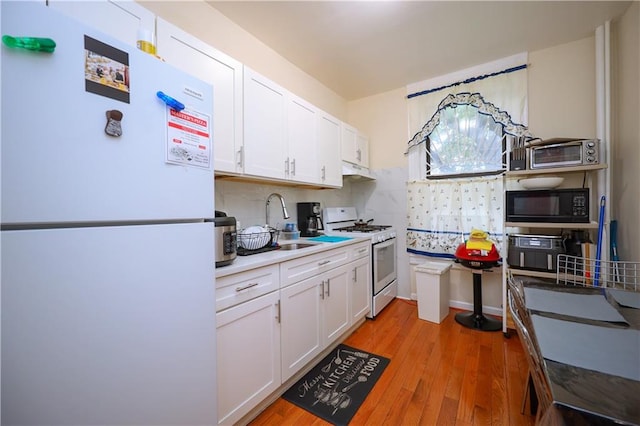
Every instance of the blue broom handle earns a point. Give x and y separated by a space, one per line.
596 280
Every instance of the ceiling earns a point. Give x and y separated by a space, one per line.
362 48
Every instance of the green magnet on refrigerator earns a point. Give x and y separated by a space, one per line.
37 44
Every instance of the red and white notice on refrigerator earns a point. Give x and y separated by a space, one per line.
188 138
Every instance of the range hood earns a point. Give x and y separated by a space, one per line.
356 172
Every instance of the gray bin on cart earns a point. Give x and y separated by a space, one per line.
432 286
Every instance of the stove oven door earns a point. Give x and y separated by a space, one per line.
384 264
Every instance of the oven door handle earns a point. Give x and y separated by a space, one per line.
385 243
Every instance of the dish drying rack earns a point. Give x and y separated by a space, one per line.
257 242
586 272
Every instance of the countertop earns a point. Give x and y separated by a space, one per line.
245 263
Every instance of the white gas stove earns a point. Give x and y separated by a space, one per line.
343 221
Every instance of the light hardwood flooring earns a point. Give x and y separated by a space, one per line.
439 374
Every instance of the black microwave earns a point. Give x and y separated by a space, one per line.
548 206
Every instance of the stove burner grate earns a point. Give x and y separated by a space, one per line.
363 228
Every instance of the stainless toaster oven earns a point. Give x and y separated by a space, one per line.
566 154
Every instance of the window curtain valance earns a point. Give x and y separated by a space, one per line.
484 107
497 92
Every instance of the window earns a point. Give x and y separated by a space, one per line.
465 142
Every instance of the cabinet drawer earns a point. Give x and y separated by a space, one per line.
238 288
360 250
302 268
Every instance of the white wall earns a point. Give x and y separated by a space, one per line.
561 86
626 132
562 93
561 103
383 118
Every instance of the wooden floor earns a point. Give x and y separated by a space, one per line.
439 374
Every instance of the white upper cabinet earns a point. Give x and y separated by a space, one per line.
362 149
120 19
224 73
355 146
280 132
265 124
329 150
303 141
349 143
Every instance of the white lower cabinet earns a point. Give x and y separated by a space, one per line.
248 358
300 329
315 312
360 288
335 304
265 335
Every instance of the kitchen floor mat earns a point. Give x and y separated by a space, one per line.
336 387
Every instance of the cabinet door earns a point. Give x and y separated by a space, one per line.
120 19
300 325
265 144
224 73
329 151
248 358
349 143
360 289
335 306
303 141
362 150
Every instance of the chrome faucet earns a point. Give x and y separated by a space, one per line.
285 214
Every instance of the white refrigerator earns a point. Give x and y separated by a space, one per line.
107 253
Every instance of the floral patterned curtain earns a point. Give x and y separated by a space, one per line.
442 213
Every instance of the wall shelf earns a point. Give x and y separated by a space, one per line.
537 274
514 173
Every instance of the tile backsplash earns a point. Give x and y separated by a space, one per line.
383 199
246 201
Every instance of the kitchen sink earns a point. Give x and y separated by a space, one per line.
295 246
